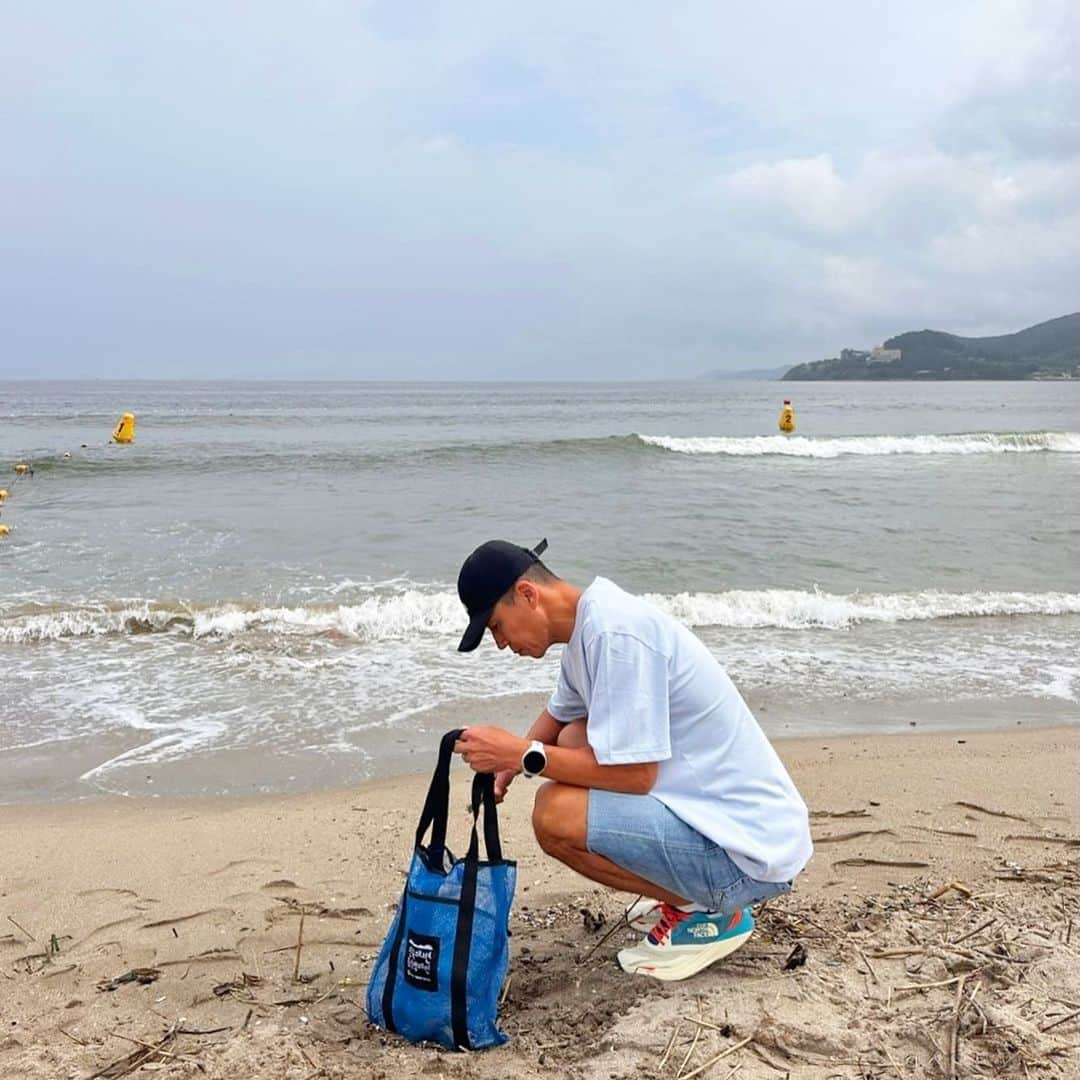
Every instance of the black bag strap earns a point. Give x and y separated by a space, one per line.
392 963
483 794
437 804
436 812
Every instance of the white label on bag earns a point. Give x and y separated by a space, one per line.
422 961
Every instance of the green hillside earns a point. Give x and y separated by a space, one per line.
1045 351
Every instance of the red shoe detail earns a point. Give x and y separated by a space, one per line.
670 917
733 922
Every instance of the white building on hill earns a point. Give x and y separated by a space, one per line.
881 355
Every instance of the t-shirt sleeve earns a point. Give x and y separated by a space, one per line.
628 711
565 703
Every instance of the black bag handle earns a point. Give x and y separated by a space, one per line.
436 811
437 804
483 793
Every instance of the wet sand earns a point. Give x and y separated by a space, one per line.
79 768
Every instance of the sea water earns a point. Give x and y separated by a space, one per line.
258 594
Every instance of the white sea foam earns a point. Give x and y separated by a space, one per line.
418 613
89 621
376 618
294 694
1061 682
180 740
986 442
799 609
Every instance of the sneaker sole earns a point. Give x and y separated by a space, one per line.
689 963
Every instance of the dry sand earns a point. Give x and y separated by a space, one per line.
208 899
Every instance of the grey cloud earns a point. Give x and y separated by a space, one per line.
1028 107
607 191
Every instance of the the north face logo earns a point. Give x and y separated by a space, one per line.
703 930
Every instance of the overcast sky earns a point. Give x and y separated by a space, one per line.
475 190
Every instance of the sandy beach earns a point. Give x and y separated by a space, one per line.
940 921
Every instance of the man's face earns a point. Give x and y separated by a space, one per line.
521 626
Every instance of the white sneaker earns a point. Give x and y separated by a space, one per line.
682 943
643 915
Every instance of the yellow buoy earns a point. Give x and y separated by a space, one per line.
4 530
3 494
787 418
22 468
124 432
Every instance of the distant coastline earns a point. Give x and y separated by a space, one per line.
1048 351
771 374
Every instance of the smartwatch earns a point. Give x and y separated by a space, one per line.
534 760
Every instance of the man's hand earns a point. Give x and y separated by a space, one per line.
503 781
491 749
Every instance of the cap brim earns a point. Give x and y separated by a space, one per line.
475 632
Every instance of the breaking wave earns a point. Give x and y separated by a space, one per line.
239 457
416 612
986 442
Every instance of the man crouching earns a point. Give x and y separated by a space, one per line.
659 779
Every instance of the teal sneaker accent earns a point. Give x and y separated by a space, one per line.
701 927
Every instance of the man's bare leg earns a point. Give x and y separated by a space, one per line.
560 821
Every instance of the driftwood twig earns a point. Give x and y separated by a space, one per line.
713 1060
299 947
835 838
992 813
859 861
670 1046
21 928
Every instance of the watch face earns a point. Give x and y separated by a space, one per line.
534 761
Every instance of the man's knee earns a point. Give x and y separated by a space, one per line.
559 816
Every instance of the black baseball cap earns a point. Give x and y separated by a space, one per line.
486 576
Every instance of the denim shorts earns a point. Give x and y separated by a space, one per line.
640 834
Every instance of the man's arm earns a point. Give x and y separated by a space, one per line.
578 766
545 729
491 749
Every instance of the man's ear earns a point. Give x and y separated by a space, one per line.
528 592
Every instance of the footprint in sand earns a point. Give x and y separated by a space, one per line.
177 919
235 863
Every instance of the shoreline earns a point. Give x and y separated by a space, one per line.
939 858
52 772
794 744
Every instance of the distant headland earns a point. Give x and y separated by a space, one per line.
1049 350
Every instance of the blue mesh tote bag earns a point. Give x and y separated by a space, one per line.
442 966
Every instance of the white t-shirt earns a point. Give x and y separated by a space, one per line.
652 691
